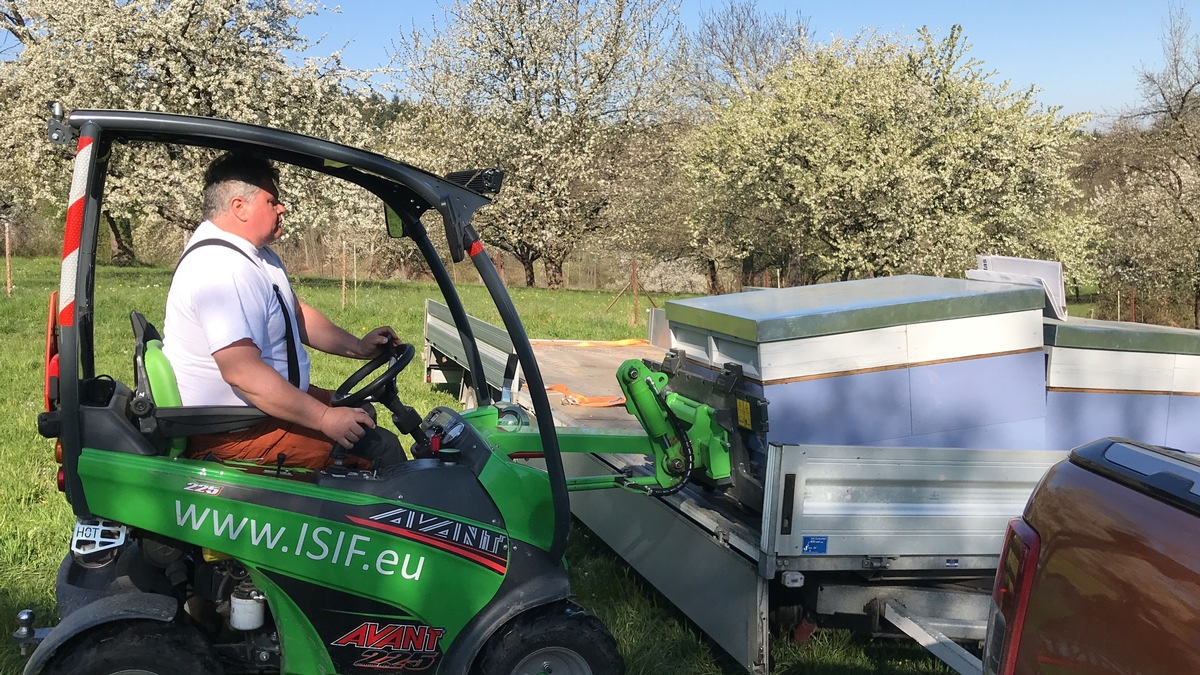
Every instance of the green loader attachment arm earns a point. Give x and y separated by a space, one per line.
681 435
684 434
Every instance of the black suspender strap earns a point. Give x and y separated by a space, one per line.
293 356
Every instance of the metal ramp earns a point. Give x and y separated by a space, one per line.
920 629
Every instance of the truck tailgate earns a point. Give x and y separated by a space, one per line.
1122 584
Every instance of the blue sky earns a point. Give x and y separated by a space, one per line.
1082 55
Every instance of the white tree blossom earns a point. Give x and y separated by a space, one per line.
878 156
550 92
221 58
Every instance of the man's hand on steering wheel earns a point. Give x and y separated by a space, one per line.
373 344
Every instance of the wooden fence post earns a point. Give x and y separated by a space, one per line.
7 262
634 283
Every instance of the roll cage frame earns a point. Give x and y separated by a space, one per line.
406 191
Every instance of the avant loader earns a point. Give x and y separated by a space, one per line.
451 562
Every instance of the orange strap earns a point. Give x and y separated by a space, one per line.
627 342
571 398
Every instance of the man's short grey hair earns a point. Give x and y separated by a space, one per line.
235 174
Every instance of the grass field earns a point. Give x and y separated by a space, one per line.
35 521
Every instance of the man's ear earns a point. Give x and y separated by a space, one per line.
237 207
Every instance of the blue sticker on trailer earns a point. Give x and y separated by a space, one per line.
814 545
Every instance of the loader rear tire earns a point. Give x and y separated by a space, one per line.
136 648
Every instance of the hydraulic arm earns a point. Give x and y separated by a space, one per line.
684 433
681 435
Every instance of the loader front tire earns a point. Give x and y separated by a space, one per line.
562 638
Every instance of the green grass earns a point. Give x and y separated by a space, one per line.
35 521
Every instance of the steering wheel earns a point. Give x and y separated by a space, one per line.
375 390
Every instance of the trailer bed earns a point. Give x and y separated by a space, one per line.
589 369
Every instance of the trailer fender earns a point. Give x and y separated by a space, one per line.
120 607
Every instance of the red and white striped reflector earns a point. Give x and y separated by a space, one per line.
70 260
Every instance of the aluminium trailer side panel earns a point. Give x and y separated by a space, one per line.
714 585
834 507
444 349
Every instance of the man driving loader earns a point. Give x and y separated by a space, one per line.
235 333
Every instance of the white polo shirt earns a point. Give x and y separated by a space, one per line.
218 297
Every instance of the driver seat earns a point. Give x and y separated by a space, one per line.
155 378
157 407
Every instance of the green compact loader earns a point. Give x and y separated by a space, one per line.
451 562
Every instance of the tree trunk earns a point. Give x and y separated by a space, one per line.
748 271
803 270
714 283
554 273
121 241
530 280
1196 307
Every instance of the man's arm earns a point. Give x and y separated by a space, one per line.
243 369
318 332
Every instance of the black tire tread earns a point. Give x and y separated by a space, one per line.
564 623
167 648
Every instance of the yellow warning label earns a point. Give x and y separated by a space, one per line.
743 409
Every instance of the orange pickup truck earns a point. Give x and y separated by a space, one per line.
1102 574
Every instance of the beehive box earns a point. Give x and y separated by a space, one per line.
897 361
1112 378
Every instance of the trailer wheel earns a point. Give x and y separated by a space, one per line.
563 639
467 397
136 648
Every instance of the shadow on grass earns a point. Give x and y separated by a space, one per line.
657 639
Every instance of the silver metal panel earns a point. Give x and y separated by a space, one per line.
824 309
657 332
856 502
959 614
715 587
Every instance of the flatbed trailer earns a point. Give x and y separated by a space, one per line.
882 539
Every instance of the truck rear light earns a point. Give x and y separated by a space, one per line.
58 452
62 479
1010 598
